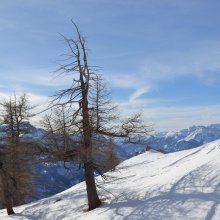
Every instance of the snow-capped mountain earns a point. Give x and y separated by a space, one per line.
168 142
165 141
154 186
192 137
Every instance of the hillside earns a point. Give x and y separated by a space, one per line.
181 185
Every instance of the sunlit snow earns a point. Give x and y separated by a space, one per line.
153 186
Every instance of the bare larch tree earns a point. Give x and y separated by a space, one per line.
91 120
16 179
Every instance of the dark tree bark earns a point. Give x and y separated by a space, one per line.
6 193
93 199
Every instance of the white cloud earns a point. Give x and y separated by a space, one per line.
121 80
38 77
177 118
173 118
138 93
39 102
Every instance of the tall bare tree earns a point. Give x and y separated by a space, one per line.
15 152
92 120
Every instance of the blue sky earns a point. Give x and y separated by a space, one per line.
158 56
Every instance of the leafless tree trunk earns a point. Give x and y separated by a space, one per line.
8 203
93 199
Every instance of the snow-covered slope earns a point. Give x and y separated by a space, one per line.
182 185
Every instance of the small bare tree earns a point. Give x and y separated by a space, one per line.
60 139
15 152
92 121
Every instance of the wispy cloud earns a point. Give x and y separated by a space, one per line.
176 118
138 93
120 80
40 77
201 62
172 118
39 102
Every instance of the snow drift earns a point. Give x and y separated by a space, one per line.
181 185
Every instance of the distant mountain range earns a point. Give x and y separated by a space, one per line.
55 178
192 137
168 142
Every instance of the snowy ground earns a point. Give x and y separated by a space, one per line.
152 186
